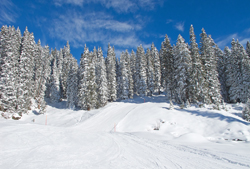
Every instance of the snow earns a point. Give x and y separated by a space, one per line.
122 135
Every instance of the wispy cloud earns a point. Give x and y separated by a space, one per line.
7 12
180 26
94 27
243 37
120 6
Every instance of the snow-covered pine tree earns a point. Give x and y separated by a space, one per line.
130 75
227 55
54 90
91 81
246 111
167 60
210 66
41 74
101 80
182 65
72 83
48 59
8 62
118 78
245 73
141 74
26 65
150 73
198 88
234 76
133 70
111 74
82 75
157 68
67 57
124 77
221 67
248 48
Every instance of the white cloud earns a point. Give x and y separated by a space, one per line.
7 12
180 26
94 27
226 40
118 5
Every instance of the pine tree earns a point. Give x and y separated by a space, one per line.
133 69
111 74
101 80
227 66
26 65
118 78
167 66
72 83
221 66
9 72
245 74
130 75
248 48
246 111
198 88
41 73
82 75
91 82
183 66
141 74
157 68
234 76
210 66
150 73
67 57
54 93
124 78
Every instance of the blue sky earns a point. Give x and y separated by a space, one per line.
126 24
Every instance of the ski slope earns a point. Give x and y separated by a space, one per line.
123 135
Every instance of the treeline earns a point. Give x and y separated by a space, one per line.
188 73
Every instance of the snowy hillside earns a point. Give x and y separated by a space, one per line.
137 133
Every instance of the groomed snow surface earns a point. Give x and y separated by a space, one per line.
127 134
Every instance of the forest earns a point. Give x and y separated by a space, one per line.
187 72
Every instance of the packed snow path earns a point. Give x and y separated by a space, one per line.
122 135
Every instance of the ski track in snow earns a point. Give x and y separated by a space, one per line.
88 140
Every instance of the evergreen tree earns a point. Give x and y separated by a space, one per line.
91 82
41 73
221 67
234 76
101 80
227 67
210 66
111 74
150 73
248 48
246 111
124 78
54 90
198 87
141 74
118 77
82 75
182 66
9 51
26 65
72 83
245 73
167 60
67 57
133 69
130 75
157 68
